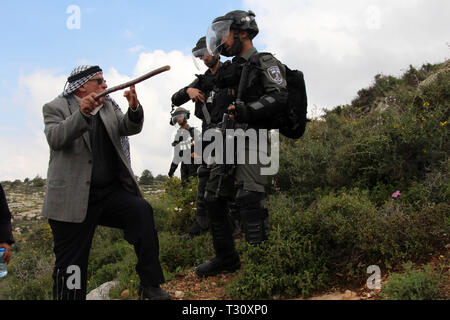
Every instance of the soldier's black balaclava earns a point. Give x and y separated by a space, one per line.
235 49
213 62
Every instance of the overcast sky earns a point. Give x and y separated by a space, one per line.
339 45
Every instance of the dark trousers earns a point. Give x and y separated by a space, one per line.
202 212
187 171
72 241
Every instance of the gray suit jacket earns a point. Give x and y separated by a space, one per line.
70 165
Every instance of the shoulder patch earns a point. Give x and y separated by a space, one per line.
266 57
274 74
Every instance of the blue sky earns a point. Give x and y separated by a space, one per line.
339 45
35 33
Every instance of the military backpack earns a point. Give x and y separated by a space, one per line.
293 121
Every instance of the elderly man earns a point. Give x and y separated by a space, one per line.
90 182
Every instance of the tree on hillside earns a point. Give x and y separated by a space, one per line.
146 178
161 178
38 181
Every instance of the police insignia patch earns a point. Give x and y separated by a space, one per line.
275 74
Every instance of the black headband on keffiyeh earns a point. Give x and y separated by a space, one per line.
79 76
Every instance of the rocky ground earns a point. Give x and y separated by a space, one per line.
25 203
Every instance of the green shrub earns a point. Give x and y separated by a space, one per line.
184 203
290 262
415 284
110 256
402 137
178 253
333 241
30 270
398 234
163 208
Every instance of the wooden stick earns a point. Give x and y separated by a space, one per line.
132 82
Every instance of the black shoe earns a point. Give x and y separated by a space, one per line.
152 293
217 265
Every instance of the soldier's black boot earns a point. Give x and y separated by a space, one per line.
218 265
253 216
227 258
152 293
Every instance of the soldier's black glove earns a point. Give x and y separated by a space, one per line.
242 113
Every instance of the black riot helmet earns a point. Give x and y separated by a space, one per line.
179 113
237 20
199 47
199 51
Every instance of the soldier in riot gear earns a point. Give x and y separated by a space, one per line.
183 146
203 92
256 94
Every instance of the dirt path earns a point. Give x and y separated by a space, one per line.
188 286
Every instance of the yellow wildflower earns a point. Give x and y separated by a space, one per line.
443 124
426 104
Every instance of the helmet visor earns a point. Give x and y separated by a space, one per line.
178 118
198 56
217 33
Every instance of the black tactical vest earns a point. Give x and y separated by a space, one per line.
229 77
215 97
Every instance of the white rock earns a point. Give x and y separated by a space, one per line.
179 294
102 292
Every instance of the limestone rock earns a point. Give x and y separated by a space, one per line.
102 292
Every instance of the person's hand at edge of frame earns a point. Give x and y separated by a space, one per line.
7 255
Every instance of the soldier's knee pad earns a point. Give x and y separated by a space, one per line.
253 215
253 222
